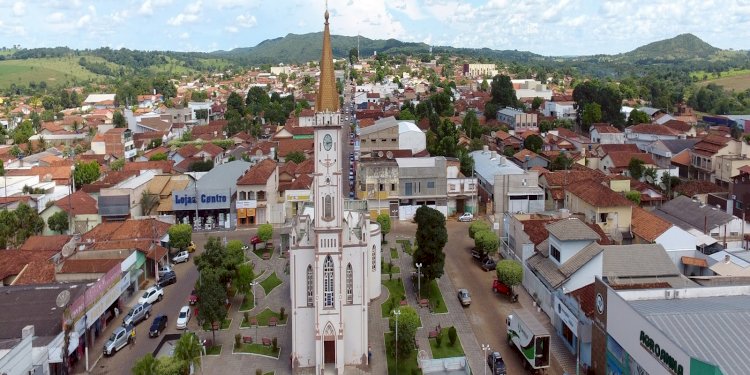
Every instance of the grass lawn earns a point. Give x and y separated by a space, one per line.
406 246
260 249
387 268
396 293
213 350
431 291
264 317
247 302
54 71
406 365
272 281
224 325
446 350
394 253
258 349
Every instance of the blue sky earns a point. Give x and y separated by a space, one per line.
548 27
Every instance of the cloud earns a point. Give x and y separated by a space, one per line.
231 29
83 21
148 6
188 15
19 9
185 35
56 17
246 20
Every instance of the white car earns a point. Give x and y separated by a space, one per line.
181 257
467 216
183 318
152 295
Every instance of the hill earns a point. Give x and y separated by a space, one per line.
681 47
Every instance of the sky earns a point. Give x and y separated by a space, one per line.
546 27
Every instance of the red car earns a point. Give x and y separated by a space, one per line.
255 240
193 299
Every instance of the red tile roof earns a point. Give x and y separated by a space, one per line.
695 187
622 159
12 262
647 225
677 125
288 145
126 234
164 165
652 129
598 195
586 296
88 265
35 273
81 203
45 243
259 173
604 128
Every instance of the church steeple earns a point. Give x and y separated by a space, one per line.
328 98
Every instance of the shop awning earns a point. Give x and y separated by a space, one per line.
693 261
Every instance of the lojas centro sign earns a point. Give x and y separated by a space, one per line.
212 199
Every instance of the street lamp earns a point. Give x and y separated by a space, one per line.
396 313
252 285
419 279
485 348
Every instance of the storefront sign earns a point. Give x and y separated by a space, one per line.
566 316
669 362
95 291
184 200
297 196
247 204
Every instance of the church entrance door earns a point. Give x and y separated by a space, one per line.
329 351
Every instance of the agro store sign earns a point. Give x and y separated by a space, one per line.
666 360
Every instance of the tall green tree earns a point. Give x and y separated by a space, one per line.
86 173
509 272
117 165
486 242
119 120
606 95
533 143
467 162
408 323
431 237
188 350
58 222
476 227
180 236
536 103
635 167
560 162
384 220
470 125
146 366
592 113
211 298
245 275
235 256
637 117
502 91
265 232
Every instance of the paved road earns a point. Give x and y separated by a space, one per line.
175 296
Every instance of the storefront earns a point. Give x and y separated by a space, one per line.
211 207
295 200
650 332
247 212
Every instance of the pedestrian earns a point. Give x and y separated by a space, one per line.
132 336
117 312
369 355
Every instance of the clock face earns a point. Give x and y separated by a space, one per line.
328 142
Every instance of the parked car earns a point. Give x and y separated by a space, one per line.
165 269
193 299
478 255
467 216
496 363
499 287
168 278
119 338
191 248
137 314
489 264
152 295
181 257
183 318
157 326
464 297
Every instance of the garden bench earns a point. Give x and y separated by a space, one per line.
403 302
266 341
424 302
247 339
272 321
266 256
253 321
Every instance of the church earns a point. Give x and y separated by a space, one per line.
334 252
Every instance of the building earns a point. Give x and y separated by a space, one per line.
391 134
563 110
529 88
258 201
334 253
117 142
707 223
518 120
79 205
486 71
667 330
211 198
606 134
601 205
504 186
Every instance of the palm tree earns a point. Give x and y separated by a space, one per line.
188 349
145 365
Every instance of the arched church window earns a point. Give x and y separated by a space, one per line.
310 286
328 282
374 259
349 284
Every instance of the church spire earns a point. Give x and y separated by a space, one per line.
328 98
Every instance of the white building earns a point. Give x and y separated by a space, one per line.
334 253
560 110
529 88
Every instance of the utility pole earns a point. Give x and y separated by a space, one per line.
419 279
396 313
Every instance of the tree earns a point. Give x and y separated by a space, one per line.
608 97
533 143
146 366
431 237
8 227
509 272
148 202
202 166
408 323
536 103
486 242
470 125
244 276
158 156
86 173
669 183
650 174
634 196
503 94
211 298
23 132
592 113
180 236
188 350
478 226
235 256
385 225
353 55
58 222
635 167
265 232
637 117
119 120
560 162
117 165
296 156
29 223
467 162
170 366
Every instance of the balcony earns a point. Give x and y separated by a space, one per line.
130 153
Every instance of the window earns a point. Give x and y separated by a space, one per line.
554 252
309 286
393 187
349 284
243 196
261 195
328 282
407 188
328 207
430 184
381 187
374 259
603 217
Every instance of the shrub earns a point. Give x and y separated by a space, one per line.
281 313
237 340
258 372
452 335
275 344
438 339
247 316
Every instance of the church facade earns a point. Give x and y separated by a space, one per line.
334 252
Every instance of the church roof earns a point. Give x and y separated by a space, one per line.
328 98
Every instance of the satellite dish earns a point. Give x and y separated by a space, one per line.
68 249
63 298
